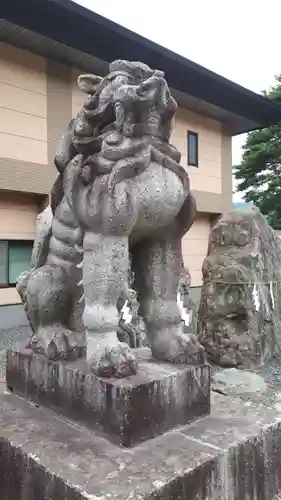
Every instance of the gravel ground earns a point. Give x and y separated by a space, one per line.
10 338
271 372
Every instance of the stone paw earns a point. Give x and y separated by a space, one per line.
58 343
177 347
114 361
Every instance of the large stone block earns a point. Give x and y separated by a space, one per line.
129 410
234 454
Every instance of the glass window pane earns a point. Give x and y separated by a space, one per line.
192 148
19 258
3 263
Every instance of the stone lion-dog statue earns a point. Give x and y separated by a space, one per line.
120 191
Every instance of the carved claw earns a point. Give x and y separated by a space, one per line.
57 343
176 347
114 361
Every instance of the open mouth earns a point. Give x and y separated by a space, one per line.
101 118
101 122
104 126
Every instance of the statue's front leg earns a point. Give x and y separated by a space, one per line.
105 267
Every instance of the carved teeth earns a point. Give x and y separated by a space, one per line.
80 283
80 265
81 299
78 249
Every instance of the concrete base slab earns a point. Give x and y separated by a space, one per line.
160 397
234 454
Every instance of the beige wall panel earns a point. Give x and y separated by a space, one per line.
207 177
18 200
23 108
22 148
22 69
195 246
23 125
9 296
226 160
23 100
205 183
17 217
59 111
196 277
17 224
200 229
78 98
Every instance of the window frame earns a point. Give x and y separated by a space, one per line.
6 285
10 242
190 162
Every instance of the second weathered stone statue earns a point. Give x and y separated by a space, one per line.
120 190
240 309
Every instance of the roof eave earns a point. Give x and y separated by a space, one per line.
83 30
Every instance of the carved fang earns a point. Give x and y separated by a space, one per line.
81 299
80 283
78 249
80 265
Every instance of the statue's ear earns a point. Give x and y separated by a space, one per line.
88 83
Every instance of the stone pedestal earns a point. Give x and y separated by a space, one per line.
127 411
233 454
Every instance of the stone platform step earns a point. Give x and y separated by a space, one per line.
129 410
233 454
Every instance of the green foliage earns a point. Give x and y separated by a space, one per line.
259 173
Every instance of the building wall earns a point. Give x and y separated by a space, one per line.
208 175
23 105
206 178
37 99
23 142
195 246
77 97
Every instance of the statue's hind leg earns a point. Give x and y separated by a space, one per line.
157 265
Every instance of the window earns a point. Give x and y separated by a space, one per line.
3 263
14 259
192 149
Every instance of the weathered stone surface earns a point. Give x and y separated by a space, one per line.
233 454
160 397
237 382
240 309
45 456
248 437
120 190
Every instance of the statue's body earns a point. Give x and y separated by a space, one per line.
121 189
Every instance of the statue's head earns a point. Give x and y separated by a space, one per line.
237 228
132 98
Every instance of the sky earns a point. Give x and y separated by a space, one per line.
239 39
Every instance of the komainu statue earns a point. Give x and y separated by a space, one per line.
240 309
120 191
